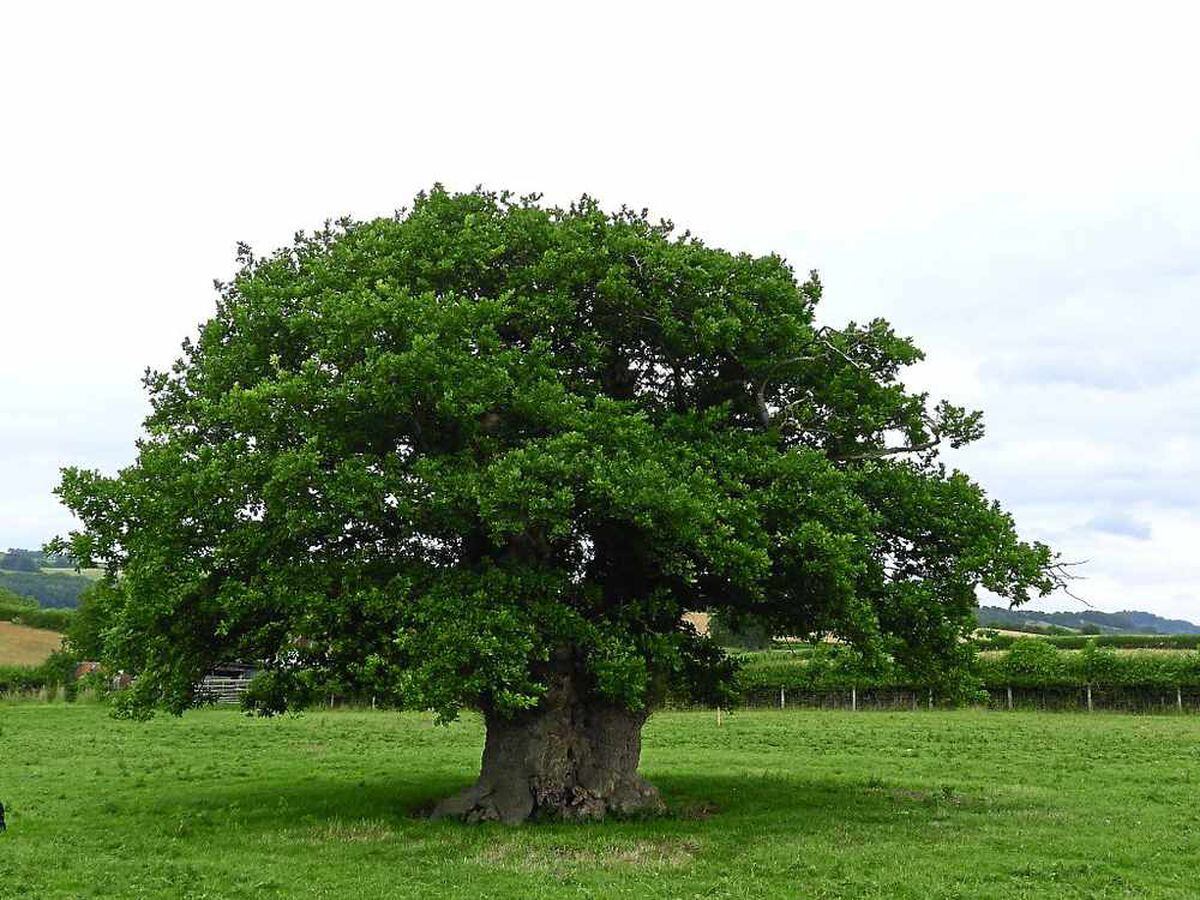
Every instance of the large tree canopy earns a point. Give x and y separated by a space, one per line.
487 453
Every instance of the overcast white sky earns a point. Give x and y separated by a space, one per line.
1017 188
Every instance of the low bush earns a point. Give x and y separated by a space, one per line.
824 667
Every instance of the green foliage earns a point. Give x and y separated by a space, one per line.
1034 663
835 667
53 589
14 602
19 561
21 679
55 672
98 609
745 633
1030 663
434 456
1079 641
25 611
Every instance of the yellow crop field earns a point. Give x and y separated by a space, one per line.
24 646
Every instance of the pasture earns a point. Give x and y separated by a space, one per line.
772 804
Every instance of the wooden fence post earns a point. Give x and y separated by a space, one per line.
853 698
781 698
718 717
1089 696
931 698
1179 698
1008 690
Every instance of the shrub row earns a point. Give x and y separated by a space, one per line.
22 679
26 611
1079 641
50 619
819 670
57 671
1031 662
1034 663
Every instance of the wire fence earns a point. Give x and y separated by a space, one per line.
1096 698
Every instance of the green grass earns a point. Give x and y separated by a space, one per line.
787 804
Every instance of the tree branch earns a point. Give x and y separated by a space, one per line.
819 337
1061 578
890 451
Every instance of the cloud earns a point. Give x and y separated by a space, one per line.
1036 228
1088 369
1120 524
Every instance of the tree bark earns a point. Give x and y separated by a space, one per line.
574 757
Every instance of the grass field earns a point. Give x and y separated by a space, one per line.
772 804
22 646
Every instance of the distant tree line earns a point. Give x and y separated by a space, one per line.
16 559
57 589
27 611
1087 621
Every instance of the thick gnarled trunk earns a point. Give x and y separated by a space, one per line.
573 757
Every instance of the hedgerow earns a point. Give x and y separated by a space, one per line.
57 671
26 611
22 679
1031 662
1079 641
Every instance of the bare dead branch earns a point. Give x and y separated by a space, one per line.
1062 577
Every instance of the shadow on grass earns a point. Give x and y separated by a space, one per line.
764 802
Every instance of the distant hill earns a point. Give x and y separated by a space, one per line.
1087 620
19 560
50 587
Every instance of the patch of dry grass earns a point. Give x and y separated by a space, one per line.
362 831
343 831
24 646
522 855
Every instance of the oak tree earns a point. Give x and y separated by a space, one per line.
486 454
